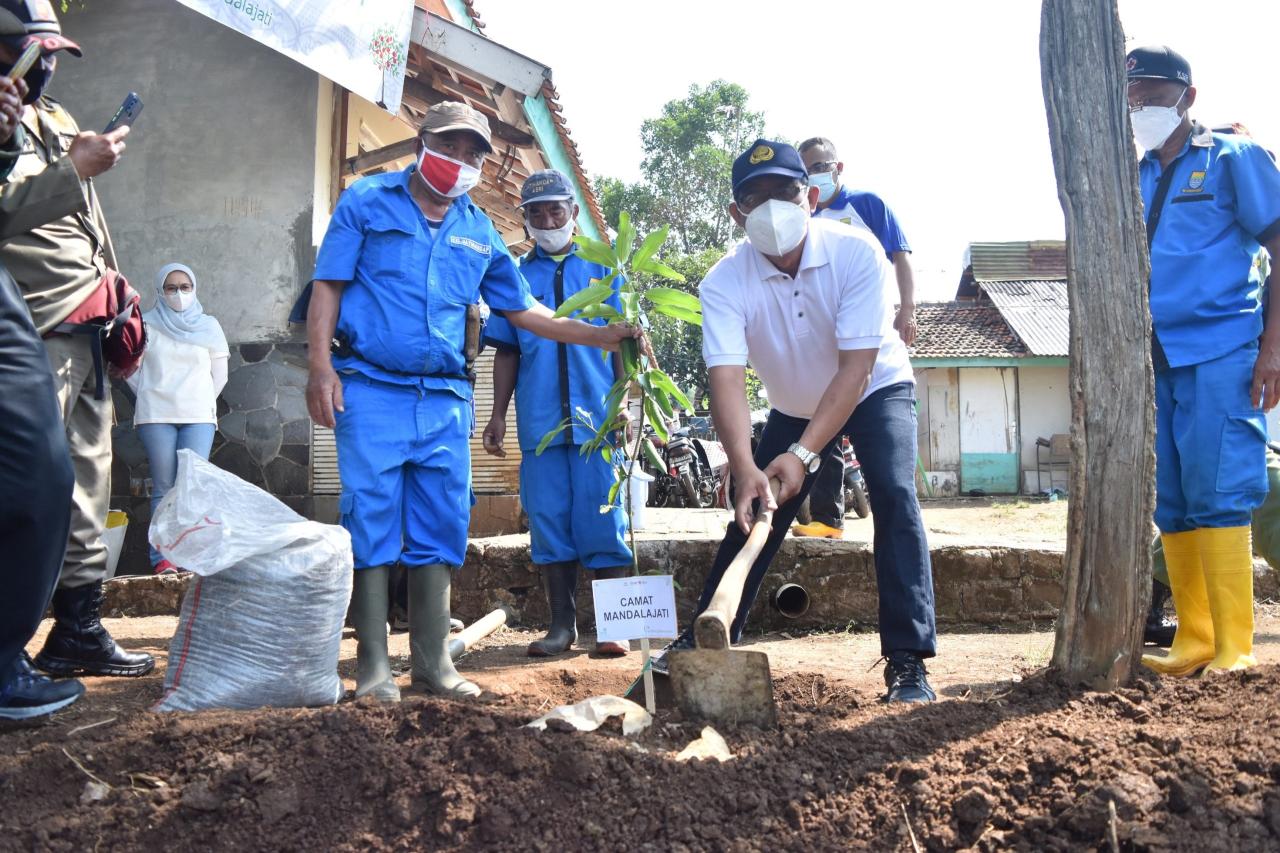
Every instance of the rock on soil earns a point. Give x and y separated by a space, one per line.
1188 765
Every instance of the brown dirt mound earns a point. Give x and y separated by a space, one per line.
1187 765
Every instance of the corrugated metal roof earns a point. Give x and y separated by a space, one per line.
964 330
1038 311
1021 261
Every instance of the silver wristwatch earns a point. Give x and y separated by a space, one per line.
810 459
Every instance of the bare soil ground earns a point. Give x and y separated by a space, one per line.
1006 760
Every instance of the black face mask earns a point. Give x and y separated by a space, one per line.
38 79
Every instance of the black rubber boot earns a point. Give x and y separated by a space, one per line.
80 645
611 648
560 581
1159 629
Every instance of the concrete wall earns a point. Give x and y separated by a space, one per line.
1045 411
220 171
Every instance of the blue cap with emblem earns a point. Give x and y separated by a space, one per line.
546 185
1158 62
766 157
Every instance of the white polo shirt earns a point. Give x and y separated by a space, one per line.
791 330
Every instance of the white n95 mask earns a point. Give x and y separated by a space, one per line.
776 227
552 240
1152 126
180 301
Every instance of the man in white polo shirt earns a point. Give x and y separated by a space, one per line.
804 301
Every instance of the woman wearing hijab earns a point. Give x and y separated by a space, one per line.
182 373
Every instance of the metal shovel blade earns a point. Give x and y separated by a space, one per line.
725 686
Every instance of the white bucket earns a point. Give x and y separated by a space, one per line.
113 538
638 485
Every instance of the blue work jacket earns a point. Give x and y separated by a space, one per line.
404 308
556 381
1222 203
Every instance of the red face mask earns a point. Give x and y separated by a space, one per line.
448 177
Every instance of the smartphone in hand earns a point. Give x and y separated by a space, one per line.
127 114
28 58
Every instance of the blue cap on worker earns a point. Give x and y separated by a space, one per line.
766 157
546 185
1158 62
22 20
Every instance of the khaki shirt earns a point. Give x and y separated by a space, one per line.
53 238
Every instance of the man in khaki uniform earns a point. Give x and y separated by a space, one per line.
58 265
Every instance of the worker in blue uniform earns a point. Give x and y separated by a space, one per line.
406 258
561 489
1212 204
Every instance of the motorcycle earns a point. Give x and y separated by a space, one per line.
695 469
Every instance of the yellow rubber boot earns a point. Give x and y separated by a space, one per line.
817 529
1227 553
1193 642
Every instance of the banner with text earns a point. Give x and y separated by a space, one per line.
634 608
360 44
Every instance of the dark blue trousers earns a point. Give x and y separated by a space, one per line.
35 478
883 431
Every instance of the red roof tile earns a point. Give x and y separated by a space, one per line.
964 330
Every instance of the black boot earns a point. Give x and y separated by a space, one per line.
80 645
560 580
1159 629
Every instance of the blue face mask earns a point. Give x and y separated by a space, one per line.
826 184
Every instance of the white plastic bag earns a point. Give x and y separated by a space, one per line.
262 622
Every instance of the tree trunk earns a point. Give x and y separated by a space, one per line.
1107 575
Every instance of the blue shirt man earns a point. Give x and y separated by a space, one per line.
859 209
405 258
1212 202
561 489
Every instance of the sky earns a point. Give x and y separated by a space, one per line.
935 105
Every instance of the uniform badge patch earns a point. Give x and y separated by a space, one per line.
762 154
473 245
1196 181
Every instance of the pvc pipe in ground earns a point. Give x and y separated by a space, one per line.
462 641
791 600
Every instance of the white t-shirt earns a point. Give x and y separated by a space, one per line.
175 383
791 330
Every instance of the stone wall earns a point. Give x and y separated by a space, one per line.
264 437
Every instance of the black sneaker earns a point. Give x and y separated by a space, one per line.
907 679
28 694
659 663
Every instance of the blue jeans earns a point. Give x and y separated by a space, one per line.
163 441
883 431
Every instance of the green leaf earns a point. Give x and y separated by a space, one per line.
626 238
593 295
694 319
630 349
657 268
613 496
655 420
550 437
674 298
663 381
651 454
596 251
650 246
607 452
594 312
630 306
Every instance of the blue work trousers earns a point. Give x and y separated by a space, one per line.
405 465
163 441
562 492
883 431
1211 444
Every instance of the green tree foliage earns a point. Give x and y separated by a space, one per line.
678 346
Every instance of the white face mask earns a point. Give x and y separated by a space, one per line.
1152 126
180 301
552 240
776 227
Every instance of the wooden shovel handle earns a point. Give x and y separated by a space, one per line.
711 628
